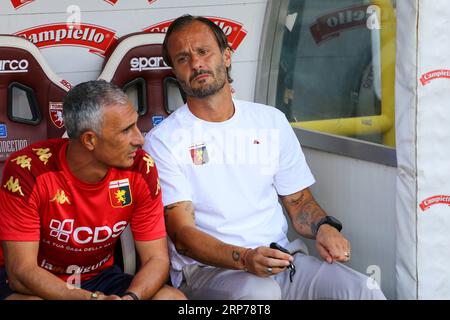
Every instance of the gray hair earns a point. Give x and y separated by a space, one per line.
84 104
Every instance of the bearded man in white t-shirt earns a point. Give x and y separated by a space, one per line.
223 165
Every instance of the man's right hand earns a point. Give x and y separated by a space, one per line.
265 262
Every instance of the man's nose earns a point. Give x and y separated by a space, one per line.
138 138
196 62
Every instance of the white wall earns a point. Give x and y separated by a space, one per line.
362 195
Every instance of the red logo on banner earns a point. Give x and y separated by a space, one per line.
232 29
440 199
96 38
20 3
55 109
436 74
113 2
330 25
66 84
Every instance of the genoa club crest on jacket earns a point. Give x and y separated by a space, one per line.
120 193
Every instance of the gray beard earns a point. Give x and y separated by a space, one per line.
208 90
205 91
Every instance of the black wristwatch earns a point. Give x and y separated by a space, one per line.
332 221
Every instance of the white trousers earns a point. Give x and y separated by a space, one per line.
314 279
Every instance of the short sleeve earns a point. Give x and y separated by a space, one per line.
174 183
147 222
19 214
293 173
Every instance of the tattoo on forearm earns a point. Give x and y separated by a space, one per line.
297 200
236 255
313 226
309 213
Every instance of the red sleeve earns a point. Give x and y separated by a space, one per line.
147 222
19 216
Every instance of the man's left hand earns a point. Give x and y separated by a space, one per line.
332 245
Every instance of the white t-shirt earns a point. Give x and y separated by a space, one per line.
232 171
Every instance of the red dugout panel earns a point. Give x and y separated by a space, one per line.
135 64
31 97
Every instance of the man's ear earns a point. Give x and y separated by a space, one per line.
89 140
174 71
227 57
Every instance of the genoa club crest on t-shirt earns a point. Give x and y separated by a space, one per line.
120 193
199 154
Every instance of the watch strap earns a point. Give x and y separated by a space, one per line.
131 294
332 221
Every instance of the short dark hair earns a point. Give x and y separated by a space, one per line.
83 106
186 20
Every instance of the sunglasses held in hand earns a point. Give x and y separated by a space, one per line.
291 266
